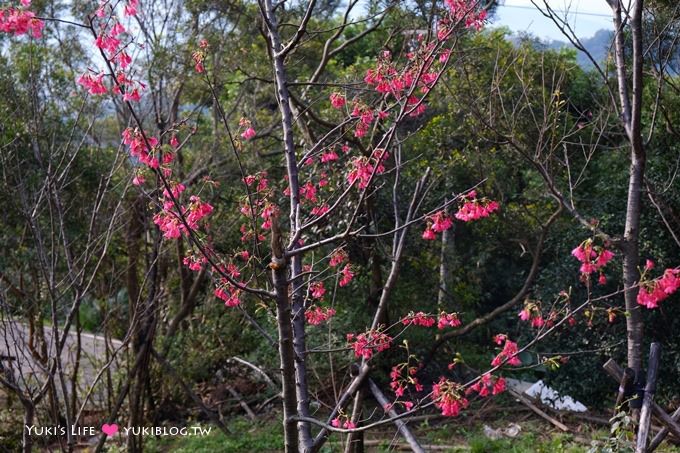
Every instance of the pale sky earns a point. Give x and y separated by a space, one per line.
585 17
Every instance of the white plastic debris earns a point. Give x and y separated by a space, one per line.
551 398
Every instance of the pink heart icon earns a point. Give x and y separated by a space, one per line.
109 430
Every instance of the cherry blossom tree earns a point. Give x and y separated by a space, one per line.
295 231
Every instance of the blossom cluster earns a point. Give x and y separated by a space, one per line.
367 343
508 354
199 56
437 223
144 148
418 319
362 168
317 290
401 377
316 315
229 294
449 397
655 291
173 222
195 263
338 257
448 320
344 421
487 385
473 208
443 320
109 39
593 258
257 205
466 11
532 312
225 289
21 21
248 130
387 80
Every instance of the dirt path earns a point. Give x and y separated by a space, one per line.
29 371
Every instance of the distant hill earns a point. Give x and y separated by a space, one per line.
598 46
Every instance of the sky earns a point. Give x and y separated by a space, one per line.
585 16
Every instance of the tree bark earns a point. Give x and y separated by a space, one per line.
298 308
631 107
29 410
285 331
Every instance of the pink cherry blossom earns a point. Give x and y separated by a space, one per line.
229 295
132 95
655 291
317 290
194 263
474 209
418 319
94 84
123 59
248 134
441 222
329 156
131 8
429 235
20 22
367 343
316 315
507 355
107 42
448 320
320 210
337 100
308 192
448 397
347 275
337 257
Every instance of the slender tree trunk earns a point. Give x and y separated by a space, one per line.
443 293
355 441
29 411
143 343
631 108
631 260
133 237
298 309
285 331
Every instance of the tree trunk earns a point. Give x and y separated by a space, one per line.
285 331
631 107
631 259
29 411
298 309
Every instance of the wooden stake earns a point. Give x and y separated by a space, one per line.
648 399
625 387
614 370
661 435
